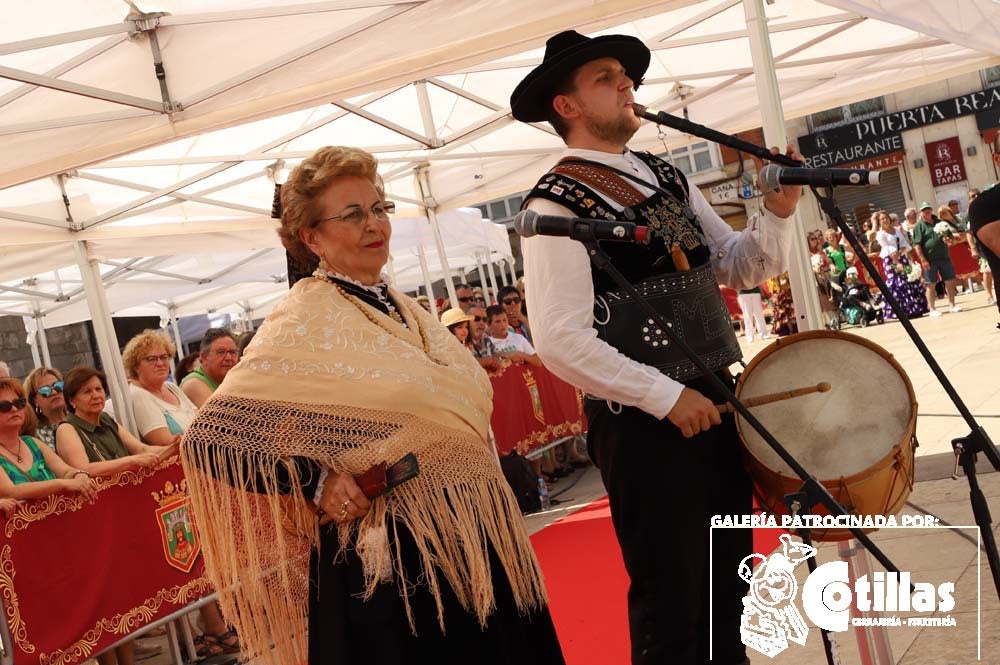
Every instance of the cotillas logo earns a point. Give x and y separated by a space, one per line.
771 620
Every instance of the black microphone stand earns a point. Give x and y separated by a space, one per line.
812 492
966 448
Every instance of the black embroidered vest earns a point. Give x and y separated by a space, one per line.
689 299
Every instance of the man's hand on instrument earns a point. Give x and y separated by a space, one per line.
782 203
693 413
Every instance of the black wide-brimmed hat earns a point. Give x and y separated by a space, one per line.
564 53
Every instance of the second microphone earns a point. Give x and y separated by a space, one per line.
529 223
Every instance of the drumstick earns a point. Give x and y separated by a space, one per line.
775 397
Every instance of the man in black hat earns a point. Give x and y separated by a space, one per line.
984 219
667 459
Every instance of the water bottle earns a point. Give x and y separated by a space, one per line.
543 495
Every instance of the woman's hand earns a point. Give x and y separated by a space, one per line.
146 460
342 500
8 506
82 484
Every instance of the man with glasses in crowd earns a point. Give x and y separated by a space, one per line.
483 348
510 298
464 294
219 354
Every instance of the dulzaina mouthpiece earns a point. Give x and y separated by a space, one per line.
638 109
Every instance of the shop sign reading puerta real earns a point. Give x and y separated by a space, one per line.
945 161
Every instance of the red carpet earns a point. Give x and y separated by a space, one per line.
587 584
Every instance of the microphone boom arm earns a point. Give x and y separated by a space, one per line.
701 131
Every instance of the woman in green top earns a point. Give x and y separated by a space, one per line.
32 470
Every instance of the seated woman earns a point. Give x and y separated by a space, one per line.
31 469
44 387
90 439
162 413
162 410
346 374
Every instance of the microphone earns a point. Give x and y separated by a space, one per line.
686 126
773 176
529 223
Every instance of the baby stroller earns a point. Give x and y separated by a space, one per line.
855 303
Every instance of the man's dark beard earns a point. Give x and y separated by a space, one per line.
617 131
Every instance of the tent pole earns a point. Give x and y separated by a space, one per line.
43 340
805 298
427 280
482 274
178 342
33 340
248 317
503 273
104 330
493 282
424 187
513 273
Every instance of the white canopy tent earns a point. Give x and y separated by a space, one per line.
155 135
244 281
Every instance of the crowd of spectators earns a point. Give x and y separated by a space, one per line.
498 334
57 435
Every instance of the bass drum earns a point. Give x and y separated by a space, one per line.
858 439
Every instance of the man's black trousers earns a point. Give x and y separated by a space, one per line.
663 490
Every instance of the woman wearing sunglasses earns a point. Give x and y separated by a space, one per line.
430 562
30 469
44 387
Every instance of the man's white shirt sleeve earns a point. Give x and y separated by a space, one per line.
560 297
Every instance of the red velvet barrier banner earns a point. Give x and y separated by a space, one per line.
532 407
76 577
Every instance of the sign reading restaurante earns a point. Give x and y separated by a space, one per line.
881 135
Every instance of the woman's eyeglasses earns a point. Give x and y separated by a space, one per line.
357 215
47 391
8 405
165 358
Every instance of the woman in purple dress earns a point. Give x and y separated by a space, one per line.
897 265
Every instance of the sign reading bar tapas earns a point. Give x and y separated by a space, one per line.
945 161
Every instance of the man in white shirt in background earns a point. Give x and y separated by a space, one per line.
654 432
508 343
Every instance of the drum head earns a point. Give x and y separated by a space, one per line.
869 409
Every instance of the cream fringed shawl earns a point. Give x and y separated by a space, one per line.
334 380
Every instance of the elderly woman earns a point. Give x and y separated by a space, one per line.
345 376
89 438
162 410
44 387
895 255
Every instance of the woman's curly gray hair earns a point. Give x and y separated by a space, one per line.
311 178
